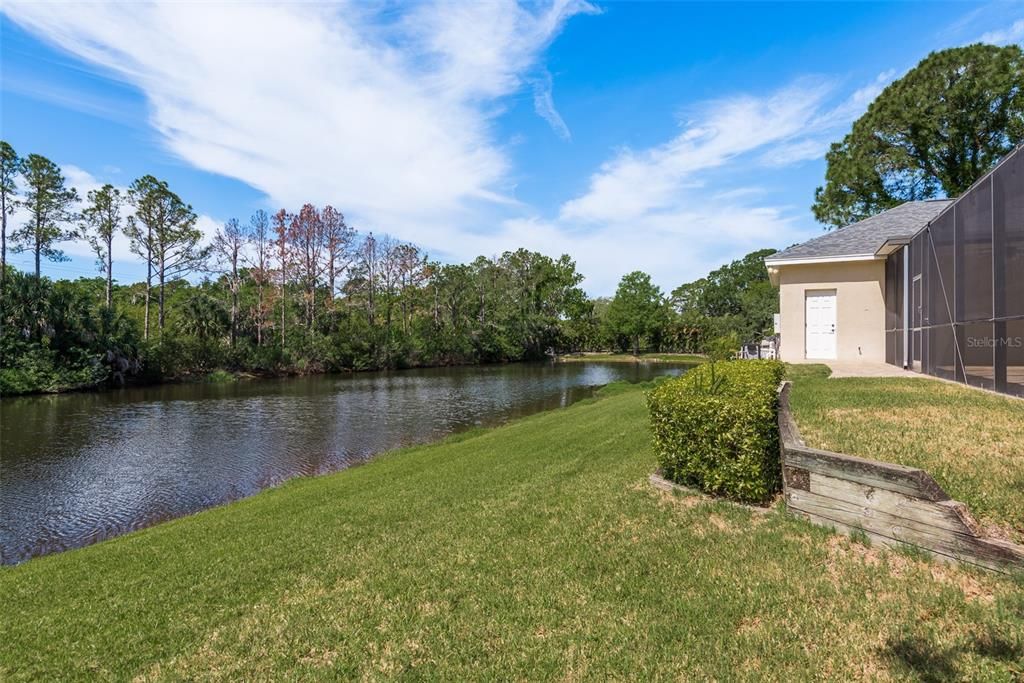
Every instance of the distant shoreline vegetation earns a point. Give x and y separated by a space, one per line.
303 292
597 356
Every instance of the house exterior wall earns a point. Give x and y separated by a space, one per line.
860 308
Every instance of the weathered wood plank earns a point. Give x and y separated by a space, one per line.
660 482
881 475
893 504
878 521
789 433
961 546
876 538
830 513
999 566
953 517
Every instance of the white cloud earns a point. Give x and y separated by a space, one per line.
667 207
673 247
1004 36
826 125
544 104
794 152
337 103
634 183
388 113
480 50
857 103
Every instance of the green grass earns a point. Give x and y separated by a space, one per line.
531 551
642 358
970 440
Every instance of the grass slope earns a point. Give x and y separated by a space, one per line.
532 551
971 441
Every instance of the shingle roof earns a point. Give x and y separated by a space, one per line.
865 237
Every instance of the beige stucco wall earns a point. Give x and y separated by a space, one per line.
860 307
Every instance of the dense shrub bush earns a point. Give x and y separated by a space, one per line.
715 428
36 370
54 338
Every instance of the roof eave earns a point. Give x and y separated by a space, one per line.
891 245
808 260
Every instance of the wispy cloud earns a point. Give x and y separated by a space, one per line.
1004 36
997 22
389 117
673 246
825 126
544 104
480 50
855 105
389 111
791 153
68 98
634 183
667 207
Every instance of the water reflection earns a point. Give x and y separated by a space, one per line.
79 468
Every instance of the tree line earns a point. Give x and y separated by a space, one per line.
734 304
292 291
302 291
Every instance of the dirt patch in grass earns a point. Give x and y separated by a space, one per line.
975 586
748 625
974 589
672 498
720 524
319 658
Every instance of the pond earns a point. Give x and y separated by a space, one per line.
80 468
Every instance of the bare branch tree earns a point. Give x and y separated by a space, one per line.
339 240
227 249
282 221
258 259
308 244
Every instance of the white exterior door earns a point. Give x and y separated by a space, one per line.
820 320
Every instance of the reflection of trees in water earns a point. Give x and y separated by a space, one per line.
84 467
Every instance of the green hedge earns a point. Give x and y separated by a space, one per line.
716 429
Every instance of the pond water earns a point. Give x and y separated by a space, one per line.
79 468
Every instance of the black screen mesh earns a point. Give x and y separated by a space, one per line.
966 287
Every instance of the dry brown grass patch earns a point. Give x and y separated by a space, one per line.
319 658
676 498
720 523
749 625
843 551
973 588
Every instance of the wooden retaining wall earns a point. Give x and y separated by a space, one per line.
894 505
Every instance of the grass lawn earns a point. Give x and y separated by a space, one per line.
642 358
970 440
532 551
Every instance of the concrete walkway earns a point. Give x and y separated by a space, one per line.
866 369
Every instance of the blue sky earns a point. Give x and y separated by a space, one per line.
666 137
